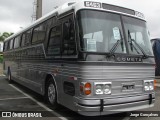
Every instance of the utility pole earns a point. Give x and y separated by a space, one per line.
39 9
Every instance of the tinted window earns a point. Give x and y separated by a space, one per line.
68 44
49 22
11 44
39 33
5 46
17 42
117 8
35 35
26 38
54 41
49 25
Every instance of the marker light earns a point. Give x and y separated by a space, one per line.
155 84
85 88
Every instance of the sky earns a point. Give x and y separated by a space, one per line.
16 14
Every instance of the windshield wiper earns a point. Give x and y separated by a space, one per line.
114 48
116 45
131 44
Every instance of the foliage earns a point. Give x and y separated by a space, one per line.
5 35
1 58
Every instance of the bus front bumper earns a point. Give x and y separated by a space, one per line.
111 106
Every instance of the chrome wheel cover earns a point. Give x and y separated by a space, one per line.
51 93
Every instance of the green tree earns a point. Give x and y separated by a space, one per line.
5 35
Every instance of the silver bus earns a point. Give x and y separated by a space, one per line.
89 56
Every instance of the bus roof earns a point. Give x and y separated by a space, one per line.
83 4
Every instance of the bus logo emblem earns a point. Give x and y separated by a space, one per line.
128 59
128 87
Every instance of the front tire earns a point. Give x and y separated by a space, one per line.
51 94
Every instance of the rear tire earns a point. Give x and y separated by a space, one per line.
51 93
9 76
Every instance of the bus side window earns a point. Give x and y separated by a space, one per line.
17 41
26 38
68 42
39 33
5 46
42 32
35 35
11 44
54 41
48 25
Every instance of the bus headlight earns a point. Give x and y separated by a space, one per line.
148 85
107 89
102 88
151 86
99 89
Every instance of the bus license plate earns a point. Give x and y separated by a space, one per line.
128 87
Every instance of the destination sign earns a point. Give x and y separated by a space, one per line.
127 59
92 4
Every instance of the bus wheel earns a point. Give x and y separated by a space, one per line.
51 93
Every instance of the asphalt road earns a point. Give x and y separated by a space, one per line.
14 97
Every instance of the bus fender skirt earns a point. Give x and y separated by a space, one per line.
101 105
150 99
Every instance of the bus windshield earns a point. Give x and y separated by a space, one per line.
100 31
136 32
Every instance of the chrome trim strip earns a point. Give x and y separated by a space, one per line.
27 80
113 100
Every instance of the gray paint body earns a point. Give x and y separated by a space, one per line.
33 74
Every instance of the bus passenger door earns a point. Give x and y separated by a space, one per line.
68 51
